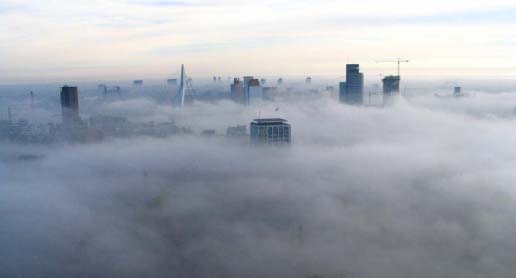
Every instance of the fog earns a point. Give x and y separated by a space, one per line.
424 188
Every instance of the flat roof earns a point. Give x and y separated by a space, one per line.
269 121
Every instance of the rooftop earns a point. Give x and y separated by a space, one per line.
269 121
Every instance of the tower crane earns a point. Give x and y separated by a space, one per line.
398 61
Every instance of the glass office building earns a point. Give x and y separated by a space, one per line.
270 131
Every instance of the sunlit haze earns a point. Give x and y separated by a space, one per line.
91 40
258 139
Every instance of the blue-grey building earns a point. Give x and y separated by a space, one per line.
70 104
270 131
391 88
351 91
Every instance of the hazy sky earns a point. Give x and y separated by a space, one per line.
87 40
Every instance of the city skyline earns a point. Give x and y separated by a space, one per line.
99 40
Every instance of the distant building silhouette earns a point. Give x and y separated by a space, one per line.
255 91
138 82
236 131
70 104
31 100
391 88
391 85
9 115
457 91
308 81
246 87
351 91
280 81
172 82
237 91
270 131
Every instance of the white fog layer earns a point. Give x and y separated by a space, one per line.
425 188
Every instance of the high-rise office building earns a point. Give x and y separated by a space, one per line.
391 88
391 85
270 131
351 91
246 87
255 92
70 104
138 82
237 91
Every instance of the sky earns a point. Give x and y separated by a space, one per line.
54 41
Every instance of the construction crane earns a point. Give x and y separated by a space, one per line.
398 60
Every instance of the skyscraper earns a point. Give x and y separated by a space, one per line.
391 88
237 91
351 91
391 85
246 87
255 92
270 131
69 104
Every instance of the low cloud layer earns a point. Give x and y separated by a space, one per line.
421 189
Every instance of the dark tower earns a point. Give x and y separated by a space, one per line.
70 104
351 91
391 85
237 91
391 88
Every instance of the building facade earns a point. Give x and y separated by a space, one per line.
270 131
391 85
391 88
237 91
70 104
255 92
351 91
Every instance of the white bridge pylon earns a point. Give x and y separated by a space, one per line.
185 87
